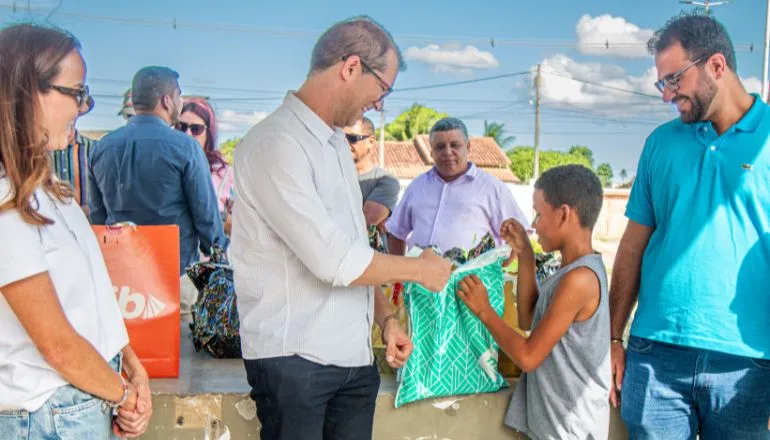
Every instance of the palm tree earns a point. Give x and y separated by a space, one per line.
496 130
623 175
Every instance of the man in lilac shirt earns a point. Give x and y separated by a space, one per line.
455 203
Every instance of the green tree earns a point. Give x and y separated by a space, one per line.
582 150
623 175
522 162
414 121
604 171
523 159
496 130
227 147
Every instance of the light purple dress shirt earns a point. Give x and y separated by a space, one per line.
453 214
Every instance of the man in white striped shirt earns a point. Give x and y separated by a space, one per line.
304 270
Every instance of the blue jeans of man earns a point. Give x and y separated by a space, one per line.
675 392
301 400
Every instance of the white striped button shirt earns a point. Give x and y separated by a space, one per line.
298 241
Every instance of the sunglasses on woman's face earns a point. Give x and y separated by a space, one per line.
195 129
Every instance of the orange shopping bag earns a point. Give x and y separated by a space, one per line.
143 263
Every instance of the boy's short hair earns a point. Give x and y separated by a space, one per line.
575 186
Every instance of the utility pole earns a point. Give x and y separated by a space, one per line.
764 94
382 137
538 83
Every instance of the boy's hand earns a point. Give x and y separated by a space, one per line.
473 293
515 236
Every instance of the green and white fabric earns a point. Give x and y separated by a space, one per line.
453 352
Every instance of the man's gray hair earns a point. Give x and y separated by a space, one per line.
360 36
449 124
151 84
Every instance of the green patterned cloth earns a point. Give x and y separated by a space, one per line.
453 352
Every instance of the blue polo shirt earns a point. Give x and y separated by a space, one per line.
705 279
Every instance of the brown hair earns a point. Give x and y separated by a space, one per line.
203 110
360 36
29 60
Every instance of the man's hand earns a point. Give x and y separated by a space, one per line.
434 271
398 346
473 293
618 361
134 422
515 235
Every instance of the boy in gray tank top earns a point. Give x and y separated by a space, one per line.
564 393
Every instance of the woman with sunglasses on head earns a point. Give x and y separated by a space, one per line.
64 343
200 122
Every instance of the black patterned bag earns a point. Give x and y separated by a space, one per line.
215 326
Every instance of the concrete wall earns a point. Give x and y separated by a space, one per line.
612 219
233 416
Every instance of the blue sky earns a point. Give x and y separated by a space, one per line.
244 55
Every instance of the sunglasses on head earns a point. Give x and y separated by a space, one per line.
356 138
195 129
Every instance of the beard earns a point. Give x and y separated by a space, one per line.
700 102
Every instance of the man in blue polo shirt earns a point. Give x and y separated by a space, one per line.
697 252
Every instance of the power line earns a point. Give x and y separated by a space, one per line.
469 81
303 32
593 83
593 133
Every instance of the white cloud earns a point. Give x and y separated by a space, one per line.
561 83
611 36
458 71
615 92
453 57
231 120
752 84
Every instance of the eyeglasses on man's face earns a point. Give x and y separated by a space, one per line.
386 88
671 81
356 138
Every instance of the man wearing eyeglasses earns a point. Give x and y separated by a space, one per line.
150 174
379 187
696 252
304 270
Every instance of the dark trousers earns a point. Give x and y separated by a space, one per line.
300 400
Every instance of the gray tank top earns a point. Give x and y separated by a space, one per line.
567 397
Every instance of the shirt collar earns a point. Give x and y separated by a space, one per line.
147 119
749 122
471 174
309 118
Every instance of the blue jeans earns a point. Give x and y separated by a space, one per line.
676 392
300 400
69 414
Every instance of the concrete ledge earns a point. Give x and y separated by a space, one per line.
211 397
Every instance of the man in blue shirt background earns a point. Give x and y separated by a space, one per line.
151 174
697 252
